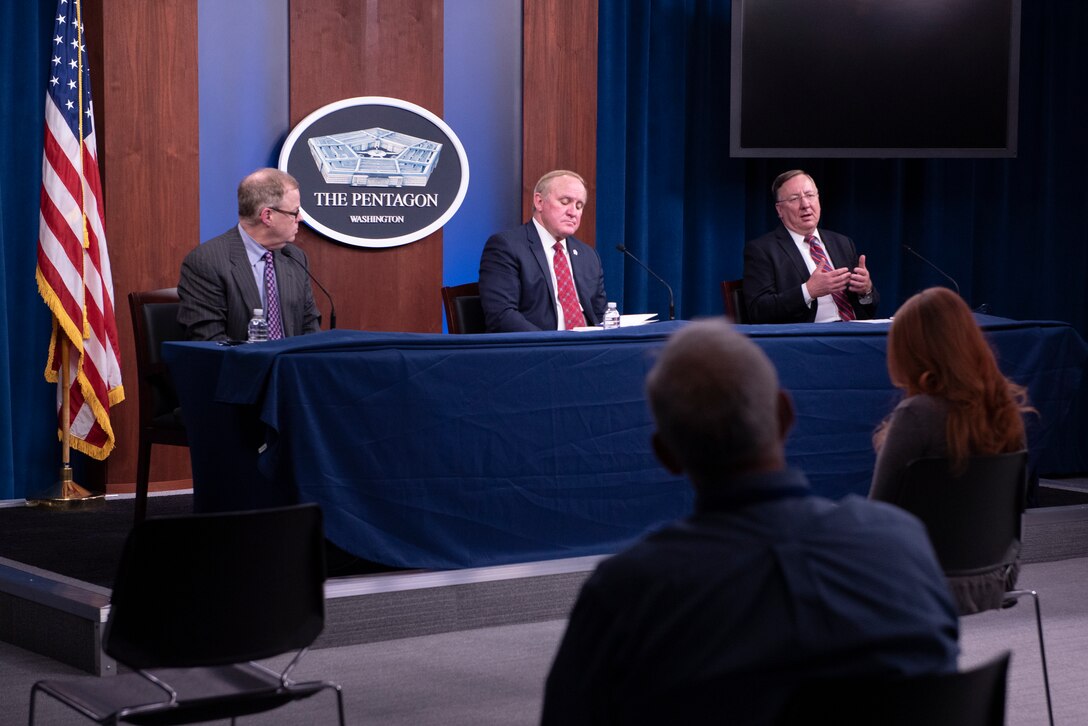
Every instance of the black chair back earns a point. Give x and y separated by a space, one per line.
733 301
155 321
464 312
215 589
972 517
970 698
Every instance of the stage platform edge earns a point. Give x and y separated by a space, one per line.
62 618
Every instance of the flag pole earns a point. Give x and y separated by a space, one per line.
65 493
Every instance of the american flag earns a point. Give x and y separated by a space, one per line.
73 266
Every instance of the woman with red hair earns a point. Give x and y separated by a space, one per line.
957 404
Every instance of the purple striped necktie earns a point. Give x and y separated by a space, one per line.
846 310
272 299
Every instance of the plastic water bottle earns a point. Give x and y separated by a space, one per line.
258 327
611 317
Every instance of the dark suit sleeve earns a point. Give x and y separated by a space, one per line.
590 281
311 316
501 287
772 292
202 289
311 319
305 317
867 311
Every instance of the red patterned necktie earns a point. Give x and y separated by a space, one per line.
272 299
846 310
572 311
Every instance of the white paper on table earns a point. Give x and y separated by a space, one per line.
874 320
626 321
629 321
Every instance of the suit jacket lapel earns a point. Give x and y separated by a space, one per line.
585 286
840 256
242 273
789 248
576 265
537 248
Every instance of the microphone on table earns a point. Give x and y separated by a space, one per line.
286 251
984 308
943 273
672 303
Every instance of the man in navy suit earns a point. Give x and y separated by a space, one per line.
522 270
800 274
223 280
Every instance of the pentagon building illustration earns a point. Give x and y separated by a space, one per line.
375 158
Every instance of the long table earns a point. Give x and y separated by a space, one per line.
444 451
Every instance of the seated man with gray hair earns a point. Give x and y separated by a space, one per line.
252 265
717 617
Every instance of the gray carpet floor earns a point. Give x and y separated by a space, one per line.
495 675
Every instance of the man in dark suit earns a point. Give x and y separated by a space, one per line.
717 617
223 280
800 274
526 273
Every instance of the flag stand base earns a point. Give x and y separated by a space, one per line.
66 494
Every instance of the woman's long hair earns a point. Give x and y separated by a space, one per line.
936 347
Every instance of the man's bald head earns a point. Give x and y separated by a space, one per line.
717 403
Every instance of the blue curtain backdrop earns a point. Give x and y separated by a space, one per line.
1012 232
29 452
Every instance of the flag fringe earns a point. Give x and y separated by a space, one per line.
60 318
115 395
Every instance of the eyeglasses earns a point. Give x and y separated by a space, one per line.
292 215
796 198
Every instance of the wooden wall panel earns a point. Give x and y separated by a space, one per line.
346 48
560 97
146 97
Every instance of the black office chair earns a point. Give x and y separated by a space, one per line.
154 321
969 698
733 301
464 313
197 598
973 518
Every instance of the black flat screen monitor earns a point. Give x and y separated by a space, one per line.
874 78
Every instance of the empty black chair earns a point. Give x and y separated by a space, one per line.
969 698
973 518
733 301
196 600
154 321
464 313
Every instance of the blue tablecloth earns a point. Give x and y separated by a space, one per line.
439 451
